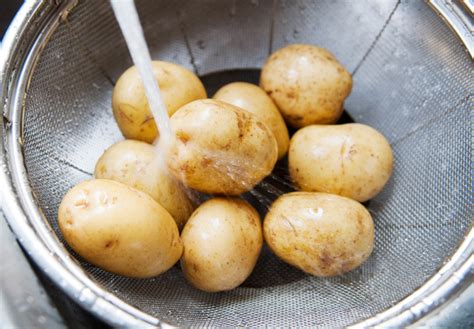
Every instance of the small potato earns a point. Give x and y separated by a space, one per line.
307 84
351 160
321 234
138 165
220 148
222 241
178 86
119 229
254 100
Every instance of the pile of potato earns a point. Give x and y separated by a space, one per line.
128 219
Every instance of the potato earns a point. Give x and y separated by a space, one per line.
119 229
351 160
321 234
307 84
137 164
254 100
222 241
220 148
178 86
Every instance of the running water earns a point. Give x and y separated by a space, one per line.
127 17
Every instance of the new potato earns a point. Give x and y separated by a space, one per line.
255 100
222 241
351 160
119 229
321 234
307 83
178 86
138 165
220 148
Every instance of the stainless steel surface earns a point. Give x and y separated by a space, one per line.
23 301
458 313
57 76
459 15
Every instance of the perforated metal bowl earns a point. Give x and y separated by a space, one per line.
412 81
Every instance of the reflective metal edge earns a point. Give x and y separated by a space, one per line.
65 272
451 278
458 18
16 199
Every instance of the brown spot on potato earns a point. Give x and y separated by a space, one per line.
147 119
240 125
123 116
261 125
291 94
102 170
183 137
111 243
326 259
81 203
206 161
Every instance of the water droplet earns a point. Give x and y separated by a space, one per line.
295 34
42 319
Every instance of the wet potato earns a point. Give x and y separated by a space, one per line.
254 100
307 83
351 160
178 86
222 241
220 148
137 164
321 234
119 229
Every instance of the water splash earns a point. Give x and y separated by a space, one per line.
226 164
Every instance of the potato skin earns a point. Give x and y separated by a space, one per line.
255 100
222 241
321 234
220 148
178 86
119 229
136 164
307 83
351 160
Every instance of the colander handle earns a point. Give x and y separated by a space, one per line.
459 16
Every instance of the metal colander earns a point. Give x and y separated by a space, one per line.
412 81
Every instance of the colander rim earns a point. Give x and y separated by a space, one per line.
18 203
